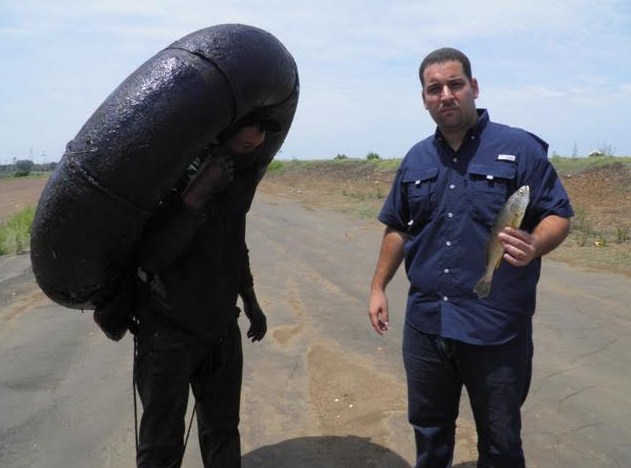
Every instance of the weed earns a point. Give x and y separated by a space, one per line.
580 221
622 234
367 212
582 238
15 232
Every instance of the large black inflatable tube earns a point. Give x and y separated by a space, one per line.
140 141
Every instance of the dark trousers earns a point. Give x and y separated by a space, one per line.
497 379
168 360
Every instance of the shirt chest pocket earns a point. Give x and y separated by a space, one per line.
491 187
419 186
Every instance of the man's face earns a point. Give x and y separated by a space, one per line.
246 140
450 96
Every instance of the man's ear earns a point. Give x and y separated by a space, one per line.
475 87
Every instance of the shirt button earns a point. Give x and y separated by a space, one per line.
446 271
455 160
445 298
450 215
448 243
452 186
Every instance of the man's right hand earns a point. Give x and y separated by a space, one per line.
378 311
213 177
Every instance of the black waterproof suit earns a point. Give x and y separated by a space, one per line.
192 268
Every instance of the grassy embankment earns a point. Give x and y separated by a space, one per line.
600 189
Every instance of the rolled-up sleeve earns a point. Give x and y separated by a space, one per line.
394 212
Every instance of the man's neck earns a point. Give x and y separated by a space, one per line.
454 138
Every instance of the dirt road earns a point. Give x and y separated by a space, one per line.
322 390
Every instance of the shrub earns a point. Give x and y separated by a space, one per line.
275 165
622 234
372 155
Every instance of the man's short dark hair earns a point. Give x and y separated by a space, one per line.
446 54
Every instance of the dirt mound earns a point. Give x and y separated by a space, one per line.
602 195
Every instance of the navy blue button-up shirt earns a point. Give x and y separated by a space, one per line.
446 201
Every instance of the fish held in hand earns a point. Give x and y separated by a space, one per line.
511 215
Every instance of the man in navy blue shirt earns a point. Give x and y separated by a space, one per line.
446 195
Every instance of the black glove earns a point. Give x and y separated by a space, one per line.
213 176
114 317
254 313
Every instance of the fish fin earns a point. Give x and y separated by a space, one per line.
483 287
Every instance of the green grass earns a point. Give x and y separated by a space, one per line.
275 165
15 232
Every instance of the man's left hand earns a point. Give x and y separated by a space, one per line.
519 246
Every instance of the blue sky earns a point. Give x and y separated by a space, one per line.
558 68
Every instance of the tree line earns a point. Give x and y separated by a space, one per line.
25 167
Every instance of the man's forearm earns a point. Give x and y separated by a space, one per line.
390 257
246 288
550 233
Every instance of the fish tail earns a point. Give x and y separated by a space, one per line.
483 287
